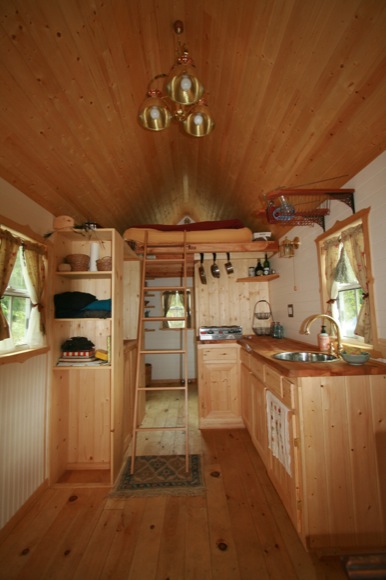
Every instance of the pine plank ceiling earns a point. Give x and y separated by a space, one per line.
297 89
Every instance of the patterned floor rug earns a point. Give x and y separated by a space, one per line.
161 475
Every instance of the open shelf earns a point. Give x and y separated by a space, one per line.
259 278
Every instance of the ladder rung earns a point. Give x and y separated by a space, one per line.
182 388
161 318
183 428
163 351
165 288
164 260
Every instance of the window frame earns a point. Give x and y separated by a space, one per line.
360 217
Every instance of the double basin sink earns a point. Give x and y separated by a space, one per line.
306 357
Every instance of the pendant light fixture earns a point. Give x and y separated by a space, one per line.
181 98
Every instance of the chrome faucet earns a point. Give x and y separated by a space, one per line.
308 322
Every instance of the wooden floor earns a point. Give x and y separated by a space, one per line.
238 530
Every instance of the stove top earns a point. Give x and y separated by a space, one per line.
220 332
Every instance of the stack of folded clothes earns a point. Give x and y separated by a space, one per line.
81 305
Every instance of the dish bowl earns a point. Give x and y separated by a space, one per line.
359 358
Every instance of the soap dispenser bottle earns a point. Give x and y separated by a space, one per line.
323 340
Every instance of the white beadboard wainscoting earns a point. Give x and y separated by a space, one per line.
23 394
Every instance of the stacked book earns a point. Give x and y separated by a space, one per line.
72 355
77 357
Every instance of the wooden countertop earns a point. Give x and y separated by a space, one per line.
265 346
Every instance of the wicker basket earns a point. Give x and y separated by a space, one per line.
104 264
262 313
78 262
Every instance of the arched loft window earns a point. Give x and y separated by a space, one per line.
176 304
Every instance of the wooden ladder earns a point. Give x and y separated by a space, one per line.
148 261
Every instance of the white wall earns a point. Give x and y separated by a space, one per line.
23 390
299 278
17 207
23 432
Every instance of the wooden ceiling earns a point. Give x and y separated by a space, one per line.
297 89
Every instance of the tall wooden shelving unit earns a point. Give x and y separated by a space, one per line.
87 401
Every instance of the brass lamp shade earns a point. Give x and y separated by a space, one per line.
180 98
182 85
199 123
153 114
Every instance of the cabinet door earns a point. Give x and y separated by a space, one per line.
246 396
286 479
259 412
219 387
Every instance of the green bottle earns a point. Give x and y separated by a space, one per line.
266 266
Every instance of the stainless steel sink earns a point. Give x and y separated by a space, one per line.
307 357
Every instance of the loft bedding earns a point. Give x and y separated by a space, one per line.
196 232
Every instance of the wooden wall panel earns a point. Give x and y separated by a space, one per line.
224 301
89 421
296 90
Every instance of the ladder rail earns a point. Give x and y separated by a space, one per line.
142 351
141 315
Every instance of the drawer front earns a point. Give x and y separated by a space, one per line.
273 381
220 354
257 368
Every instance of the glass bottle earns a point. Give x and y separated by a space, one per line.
266 266
259 270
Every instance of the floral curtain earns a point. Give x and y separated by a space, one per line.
9 246
353 242
331 249
34 271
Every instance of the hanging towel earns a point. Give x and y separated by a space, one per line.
278 430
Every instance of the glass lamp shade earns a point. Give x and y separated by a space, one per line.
153 114
182 85
199 122
286 249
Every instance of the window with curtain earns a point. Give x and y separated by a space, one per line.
23 265
176 304
346 278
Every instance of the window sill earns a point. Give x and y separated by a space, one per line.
21 356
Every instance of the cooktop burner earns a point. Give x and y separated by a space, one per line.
220 332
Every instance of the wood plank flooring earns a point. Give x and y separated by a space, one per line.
239 530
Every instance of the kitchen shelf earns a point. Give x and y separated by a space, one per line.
259 278
83 273
69 367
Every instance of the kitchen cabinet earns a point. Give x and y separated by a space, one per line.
342 439
88 402
334 491
219 385
260 380
283 465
